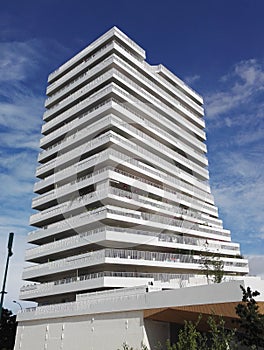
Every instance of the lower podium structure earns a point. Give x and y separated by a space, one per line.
127 236
136 316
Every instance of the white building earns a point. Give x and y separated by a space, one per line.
123 198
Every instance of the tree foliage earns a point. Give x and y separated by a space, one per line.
190 338
218 338
8 327
213 266
125 346
251 321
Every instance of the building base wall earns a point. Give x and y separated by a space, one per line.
135 316
91 332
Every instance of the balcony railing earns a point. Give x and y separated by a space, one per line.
182 226
141 91
162 92
76 137
76 69
84 237
120 156
100 256
162 277
145 66
165 134
74 96
144 199
160 118
156 145
160 146
149 125
168 221
76 152
167 109
103 191
82 77
76 108
158 160
62 190
75 123
180 82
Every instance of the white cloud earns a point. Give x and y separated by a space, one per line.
256 265
239 188
244 82
192 79
14 60
21 109
20 119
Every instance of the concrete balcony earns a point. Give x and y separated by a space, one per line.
128 146
74 155
103 279
88 117
76 109
79 81
73 140
113 73
138 258
70 188
135 50
112 256
126 217
146 140
176 89
103 173
164 72
162 106
133 117
106 192
73 224
142 138
138 182
159 119
160 222
80 284
173 101
107 236
71 172
66 104
138 151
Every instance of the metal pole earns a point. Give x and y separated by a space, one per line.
10 253
16 302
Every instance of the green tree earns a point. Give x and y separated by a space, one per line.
220 337
217 338
218 270
212 265
251 321
190 338
8 327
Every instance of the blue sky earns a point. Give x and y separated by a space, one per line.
215 46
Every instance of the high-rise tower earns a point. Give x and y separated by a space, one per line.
123 197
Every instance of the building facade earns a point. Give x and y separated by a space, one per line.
123 196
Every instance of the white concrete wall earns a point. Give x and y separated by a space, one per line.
90 332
